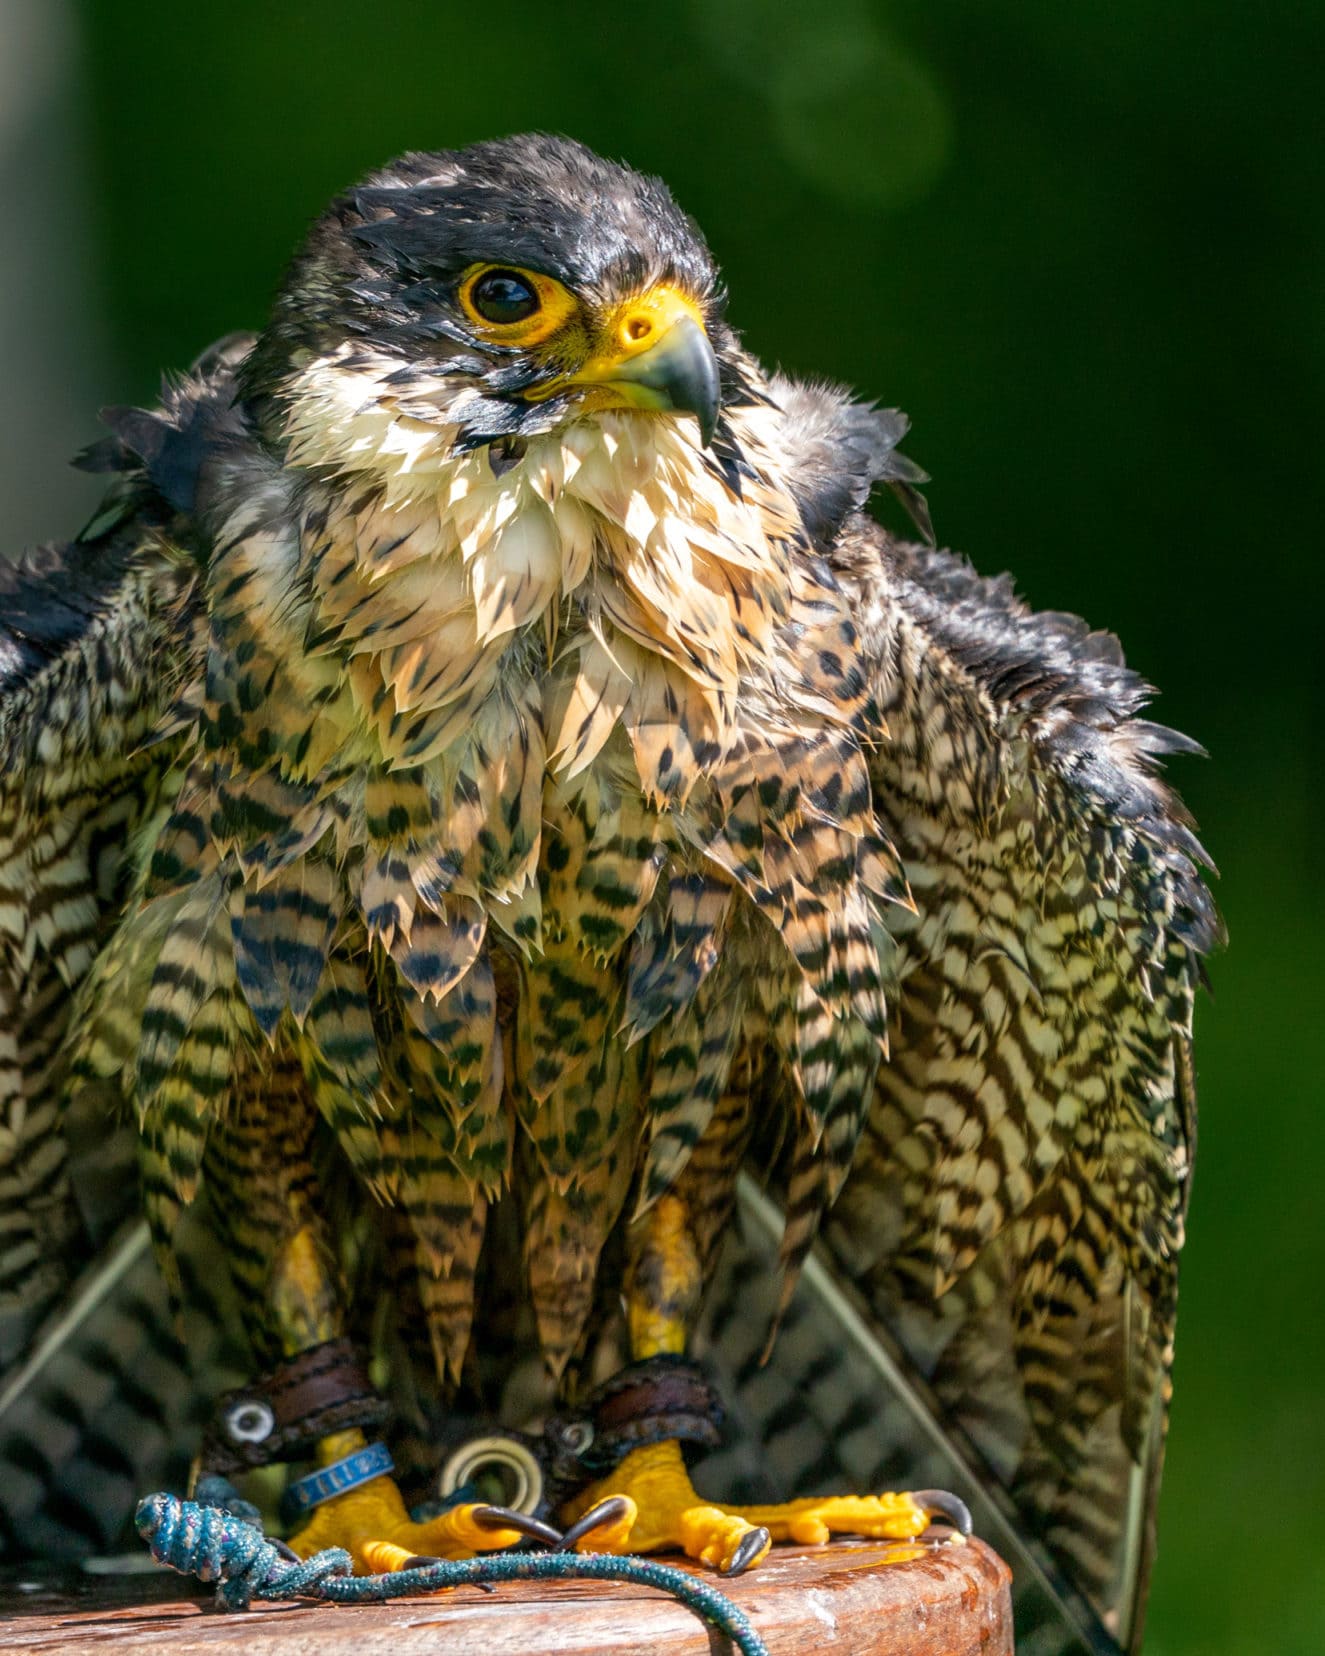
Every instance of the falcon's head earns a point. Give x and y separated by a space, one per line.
498 291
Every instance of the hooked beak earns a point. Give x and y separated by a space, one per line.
657 356
678 375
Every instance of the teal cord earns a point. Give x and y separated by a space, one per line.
213 1545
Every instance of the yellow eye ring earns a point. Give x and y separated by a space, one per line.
488 290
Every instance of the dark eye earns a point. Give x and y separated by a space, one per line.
503 296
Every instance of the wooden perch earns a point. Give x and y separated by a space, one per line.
848 1597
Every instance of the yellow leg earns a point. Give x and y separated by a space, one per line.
370 1522
666 1282
662 1509
264 1196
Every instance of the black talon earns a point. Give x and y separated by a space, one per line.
749 1548
500 1517
942 1503
606 1512
287 1552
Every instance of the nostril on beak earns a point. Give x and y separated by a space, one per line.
637 328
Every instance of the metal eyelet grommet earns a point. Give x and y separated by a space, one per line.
251 1421
577 1436
517 1466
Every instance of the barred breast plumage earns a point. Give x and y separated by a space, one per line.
450 717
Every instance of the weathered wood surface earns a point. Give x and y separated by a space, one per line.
951 1601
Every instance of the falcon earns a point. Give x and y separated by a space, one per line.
480 782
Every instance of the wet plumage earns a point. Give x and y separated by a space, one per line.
441 786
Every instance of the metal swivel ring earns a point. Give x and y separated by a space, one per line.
516 1464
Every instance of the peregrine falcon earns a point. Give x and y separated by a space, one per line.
480 782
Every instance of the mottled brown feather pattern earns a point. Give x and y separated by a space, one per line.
540 821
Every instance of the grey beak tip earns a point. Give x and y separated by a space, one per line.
682 370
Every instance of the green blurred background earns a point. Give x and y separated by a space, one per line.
1080 243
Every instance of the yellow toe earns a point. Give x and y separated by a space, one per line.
458 1527
664 1513
381 1557
719 1538
614 1536
669 1514
372 1525
812 1521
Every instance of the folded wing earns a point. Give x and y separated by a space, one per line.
1016 1206
98 644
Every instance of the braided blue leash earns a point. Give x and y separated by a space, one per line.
213 1545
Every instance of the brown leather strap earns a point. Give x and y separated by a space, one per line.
280 1415
646 1402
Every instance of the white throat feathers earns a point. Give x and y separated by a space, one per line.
613 547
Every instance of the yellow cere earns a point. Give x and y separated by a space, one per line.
633 327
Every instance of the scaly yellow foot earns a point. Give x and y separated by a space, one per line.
371 1523
662 1510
